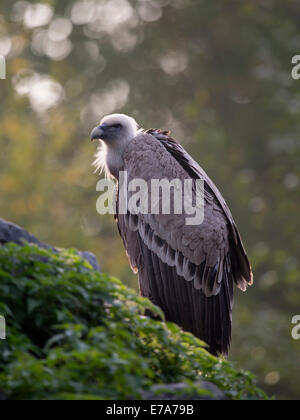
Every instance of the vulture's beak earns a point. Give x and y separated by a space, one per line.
98 132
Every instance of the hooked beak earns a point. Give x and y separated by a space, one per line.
98 132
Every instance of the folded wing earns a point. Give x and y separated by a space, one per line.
188 271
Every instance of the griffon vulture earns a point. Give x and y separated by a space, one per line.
188 271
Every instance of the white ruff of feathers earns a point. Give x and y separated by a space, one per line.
100 161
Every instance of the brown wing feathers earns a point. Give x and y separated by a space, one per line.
243 272
198 297
207 318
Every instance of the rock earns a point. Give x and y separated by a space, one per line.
10 232
91 258
182 391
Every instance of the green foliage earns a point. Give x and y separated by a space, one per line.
73 333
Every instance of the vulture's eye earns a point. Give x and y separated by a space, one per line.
117 126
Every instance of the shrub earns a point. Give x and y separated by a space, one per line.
74 333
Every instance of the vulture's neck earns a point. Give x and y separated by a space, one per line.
110 157
114 161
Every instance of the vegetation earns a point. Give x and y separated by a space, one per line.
73 333
218 74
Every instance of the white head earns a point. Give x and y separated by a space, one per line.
115 128
115 131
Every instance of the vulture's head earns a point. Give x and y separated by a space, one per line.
115 131
115 128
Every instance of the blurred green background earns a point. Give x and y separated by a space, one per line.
218 74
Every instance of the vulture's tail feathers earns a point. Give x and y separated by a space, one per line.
240 264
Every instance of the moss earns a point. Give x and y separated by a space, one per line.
74 333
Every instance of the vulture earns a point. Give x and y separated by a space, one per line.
189 271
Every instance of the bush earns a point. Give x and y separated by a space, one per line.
73 333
